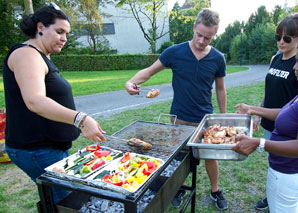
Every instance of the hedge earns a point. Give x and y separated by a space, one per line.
100 62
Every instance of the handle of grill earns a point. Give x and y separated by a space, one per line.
164 114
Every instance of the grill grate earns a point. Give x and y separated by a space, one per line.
165 138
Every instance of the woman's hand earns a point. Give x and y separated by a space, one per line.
243 109
256 123
246 144
92 130
132 88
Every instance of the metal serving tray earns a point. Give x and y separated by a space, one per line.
115 167
219 151
70 158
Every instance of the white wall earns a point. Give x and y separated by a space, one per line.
128 37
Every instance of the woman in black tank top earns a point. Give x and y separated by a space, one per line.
41 120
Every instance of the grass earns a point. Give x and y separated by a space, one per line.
243 182
85 83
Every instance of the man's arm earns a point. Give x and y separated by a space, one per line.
132 86
221 94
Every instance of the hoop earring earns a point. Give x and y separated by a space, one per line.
40 33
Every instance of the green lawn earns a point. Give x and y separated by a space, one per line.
243 182
85 83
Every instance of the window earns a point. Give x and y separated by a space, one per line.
108 29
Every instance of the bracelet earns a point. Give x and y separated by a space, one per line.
80 116
82 121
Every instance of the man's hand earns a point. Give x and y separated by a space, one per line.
132 88
246 144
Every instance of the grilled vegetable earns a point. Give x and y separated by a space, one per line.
93 148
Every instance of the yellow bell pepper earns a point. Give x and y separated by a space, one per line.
129 187
140 171
135 164
135 183
109 157
130 179
141 179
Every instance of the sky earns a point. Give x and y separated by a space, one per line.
232 10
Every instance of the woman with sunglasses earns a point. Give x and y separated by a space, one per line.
41 118
281 84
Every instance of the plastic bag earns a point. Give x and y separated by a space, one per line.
3 155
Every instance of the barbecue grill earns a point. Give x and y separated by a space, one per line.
168 143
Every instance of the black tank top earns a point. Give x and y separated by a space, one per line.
281 86
24 128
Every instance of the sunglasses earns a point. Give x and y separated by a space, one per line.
287 39
55 6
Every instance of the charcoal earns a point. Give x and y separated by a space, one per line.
105 205
170 168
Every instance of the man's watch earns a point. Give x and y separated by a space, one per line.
261 147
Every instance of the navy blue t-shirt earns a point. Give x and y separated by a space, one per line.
192 80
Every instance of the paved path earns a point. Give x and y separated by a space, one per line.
114 102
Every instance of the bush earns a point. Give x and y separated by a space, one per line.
103 62
100 62
164 46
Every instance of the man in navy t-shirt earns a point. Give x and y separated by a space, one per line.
195 65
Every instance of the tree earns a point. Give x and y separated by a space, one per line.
148 11
28 7
9 32
223 41
181 21
278 14
237 48
89 11
259 17
261 44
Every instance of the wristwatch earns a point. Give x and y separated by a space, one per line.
261 147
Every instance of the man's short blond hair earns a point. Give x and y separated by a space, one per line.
208 17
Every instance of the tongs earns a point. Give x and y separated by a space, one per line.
142 88
129 142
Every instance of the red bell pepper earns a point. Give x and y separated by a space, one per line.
98 164
145 172
93 148
107 179
125 158
151 166
102 153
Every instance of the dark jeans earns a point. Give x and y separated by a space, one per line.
33 163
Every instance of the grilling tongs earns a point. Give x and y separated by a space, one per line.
129 142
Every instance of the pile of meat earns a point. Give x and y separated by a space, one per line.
219 135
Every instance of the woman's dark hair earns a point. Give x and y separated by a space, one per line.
289 26
47 15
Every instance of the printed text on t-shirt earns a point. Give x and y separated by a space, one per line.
279 73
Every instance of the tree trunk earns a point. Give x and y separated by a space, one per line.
28 7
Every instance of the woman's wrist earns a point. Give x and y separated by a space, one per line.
79 119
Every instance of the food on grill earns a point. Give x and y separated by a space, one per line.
86 161
131 173
136 141
217 134
153 93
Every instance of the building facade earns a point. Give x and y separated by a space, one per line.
124 34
